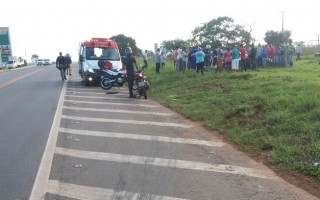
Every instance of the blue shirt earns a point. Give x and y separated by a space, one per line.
199 56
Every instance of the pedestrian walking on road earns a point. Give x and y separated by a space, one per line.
68 64
61 65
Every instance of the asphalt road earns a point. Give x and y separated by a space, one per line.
88 143
28 102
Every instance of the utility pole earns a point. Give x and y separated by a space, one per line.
282 30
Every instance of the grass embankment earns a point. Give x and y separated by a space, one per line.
274 112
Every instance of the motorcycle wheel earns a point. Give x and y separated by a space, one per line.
143 92
105 83
147 84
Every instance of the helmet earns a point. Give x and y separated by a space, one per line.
128 50
208 46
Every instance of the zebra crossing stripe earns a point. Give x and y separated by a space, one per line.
116 111
113 103
142 137
121 121
84 192
162 162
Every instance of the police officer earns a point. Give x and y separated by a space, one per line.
128 61
68 63
61 65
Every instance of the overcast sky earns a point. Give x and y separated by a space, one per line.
46 27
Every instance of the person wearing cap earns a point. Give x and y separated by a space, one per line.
61 65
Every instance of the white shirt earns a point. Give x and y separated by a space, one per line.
180 55
298 49
145 56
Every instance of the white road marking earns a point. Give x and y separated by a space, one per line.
161 162
40 184
84 192
80 88
105 97
142 137
117 111
112 103
90 92
121 121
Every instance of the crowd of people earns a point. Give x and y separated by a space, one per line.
235 58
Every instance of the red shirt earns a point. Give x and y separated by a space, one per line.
276 51
270 52
243 53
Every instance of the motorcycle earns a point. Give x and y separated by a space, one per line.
109 76
141 84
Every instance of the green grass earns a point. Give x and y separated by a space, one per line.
274 112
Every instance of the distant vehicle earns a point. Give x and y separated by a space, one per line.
11 64
40 62
47 62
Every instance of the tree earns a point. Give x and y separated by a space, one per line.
123 42
170 45
274 37
34 58
220 30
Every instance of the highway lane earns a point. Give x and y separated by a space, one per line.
28 101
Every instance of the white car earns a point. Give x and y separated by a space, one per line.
40 62
11 64
47 62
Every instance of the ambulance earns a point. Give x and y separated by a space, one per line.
94 51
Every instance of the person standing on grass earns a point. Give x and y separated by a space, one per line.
253 57
145 59
291 51
163 59
199 56
298 52
193 58
243 52
157 60
235 58
179 58
228 59
283 54
276 58
175 56
259 55
184 59
219 58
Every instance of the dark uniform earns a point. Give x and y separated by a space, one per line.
128 62
61 65
68 63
